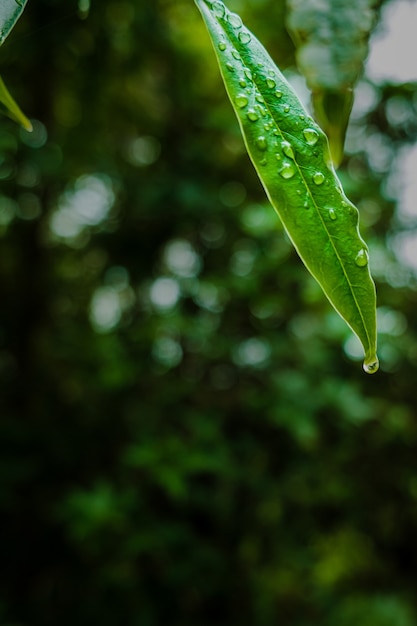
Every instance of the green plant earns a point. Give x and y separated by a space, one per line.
291 155
10 11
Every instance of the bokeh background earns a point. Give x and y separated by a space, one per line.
187 437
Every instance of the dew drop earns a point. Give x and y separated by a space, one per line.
306 204
230 67
241 101
311 136
234 20
270 83
287 149
287 170
278 94
244 37
261 143
247 73
222 46
252 115
362 258
302 117
263 162
259 98
278 156
236 55
371 366
332 214
286 109
218 9
242 83
318 178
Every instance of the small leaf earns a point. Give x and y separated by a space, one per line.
12 109
10 11
291 156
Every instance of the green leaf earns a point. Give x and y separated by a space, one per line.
331 38
291 156
10 11
12 109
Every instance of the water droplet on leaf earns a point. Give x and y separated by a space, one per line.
242 83
234 20
362 258
222 46
236 55
230 67
241 101
244 37
286 109
252 115
261 143
318 178
270 83
218 9
278 94
371 366
287 149
332 214
287 170
311 136
247 73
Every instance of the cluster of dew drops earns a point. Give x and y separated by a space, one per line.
287 168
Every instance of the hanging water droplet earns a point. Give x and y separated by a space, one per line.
252 115
236 55
218 9
287 149
261 143
241 101
362 258
332 214
222 46
318 178
371 366
244 37
278 94
287 170
234 20
230 67
270 83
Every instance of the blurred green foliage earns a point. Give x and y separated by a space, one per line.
183 438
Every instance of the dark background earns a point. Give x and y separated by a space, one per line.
187 436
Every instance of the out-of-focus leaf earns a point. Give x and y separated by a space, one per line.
12 109
331 37
10 11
